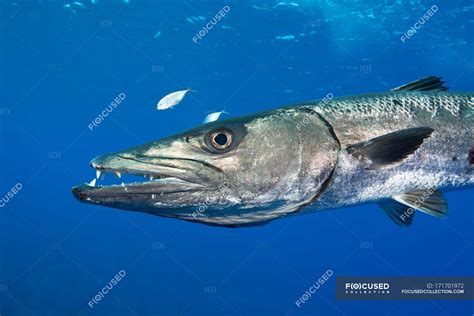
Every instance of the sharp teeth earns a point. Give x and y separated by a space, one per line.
92 183
118 174
152 177
98 173
153 196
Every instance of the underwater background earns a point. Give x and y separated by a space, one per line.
63 62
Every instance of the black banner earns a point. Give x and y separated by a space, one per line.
405 288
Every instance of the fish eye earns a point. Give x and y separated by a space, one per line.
220 139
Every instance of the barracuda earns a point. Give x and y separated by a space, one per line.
398 149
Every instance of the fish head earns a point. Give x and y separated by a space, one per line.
234 173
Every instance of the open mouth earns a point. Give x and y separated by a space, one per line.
122 177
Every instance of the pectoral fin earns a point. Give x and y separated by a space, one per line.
390 148
401 208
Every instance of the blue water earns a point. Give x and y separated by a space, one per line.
60 66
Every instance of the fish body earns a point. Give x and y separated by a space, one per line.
398 149
442 161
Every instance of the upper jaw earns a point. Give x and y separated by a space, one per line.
187 170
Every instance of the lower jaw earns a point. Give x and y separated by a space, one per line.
142 199
162 186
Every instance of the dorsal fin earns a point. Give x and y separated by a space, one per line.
431 83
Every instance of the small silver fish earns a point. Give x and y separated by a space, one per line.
171 99
213 116
79 4
69 7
